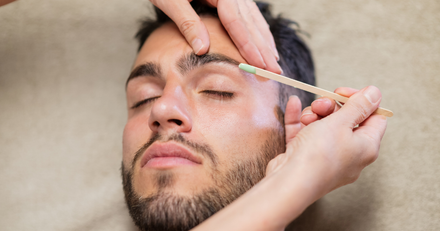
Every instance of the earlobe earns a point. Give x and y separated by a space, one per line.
292 118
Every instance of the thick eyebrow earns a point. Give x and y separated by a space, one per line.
185 64
147 69
191 61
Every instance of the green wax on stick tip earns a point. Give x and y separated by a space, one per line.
247 68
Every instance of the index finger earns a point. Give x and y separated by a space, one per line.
346 91
359 107
231 18
188 22
263 27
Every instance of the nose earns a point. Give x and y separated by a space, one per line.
169 113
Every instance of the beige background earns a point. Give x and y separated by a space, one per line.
63 65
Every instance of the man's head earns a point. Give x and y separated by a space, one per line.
200 132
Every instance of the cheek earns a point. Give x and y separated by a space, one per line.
136 133
235 131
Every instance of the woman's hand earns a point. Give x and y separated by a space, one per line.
327 153
326 146
4 2
242 20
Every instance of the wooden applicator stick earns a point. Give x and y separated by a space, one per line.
304 86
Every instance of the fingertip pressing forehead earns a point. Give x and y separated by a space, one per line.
168 38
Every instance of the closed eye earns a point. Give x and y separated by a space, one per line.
145 101
219 94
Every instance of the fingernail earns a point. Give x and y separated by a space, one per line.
279 68
264 64
293 96
277 55
307 112
323 101
372 94
197 45
275 52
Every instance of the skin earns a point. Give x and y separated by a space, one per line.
243 22
326 154
324 106
182 98
303 174
4 2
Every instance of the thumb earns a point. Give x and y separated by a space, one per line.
188 22
292 118
276 163
359 107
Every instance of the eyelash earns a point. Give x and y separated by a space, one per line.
145 101
221 94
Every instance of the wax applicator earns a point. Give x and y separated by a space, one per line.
304 86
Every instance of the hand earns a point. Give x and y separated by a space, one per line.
331 151
324 106
242 20
4 2
327 153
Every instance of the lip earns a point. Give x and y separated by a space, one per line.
168 153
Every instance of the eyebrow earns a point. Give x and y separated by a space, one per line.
184 64
147 69
192 61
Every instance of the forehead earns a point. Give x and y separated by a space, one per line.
166 44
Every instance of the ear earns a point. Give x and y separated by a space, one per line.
292 118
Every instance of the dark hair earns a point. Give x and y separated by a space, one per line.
295 57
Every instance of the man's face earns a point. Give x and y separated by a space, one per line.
196 125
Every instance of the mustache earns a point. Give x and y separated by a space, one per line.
203 149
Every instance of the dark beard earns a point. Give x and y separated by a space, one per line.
165 211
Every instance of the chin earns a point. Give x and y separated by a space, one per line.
184 181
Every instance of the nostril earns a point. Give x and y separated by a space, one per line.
156 124
178 122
